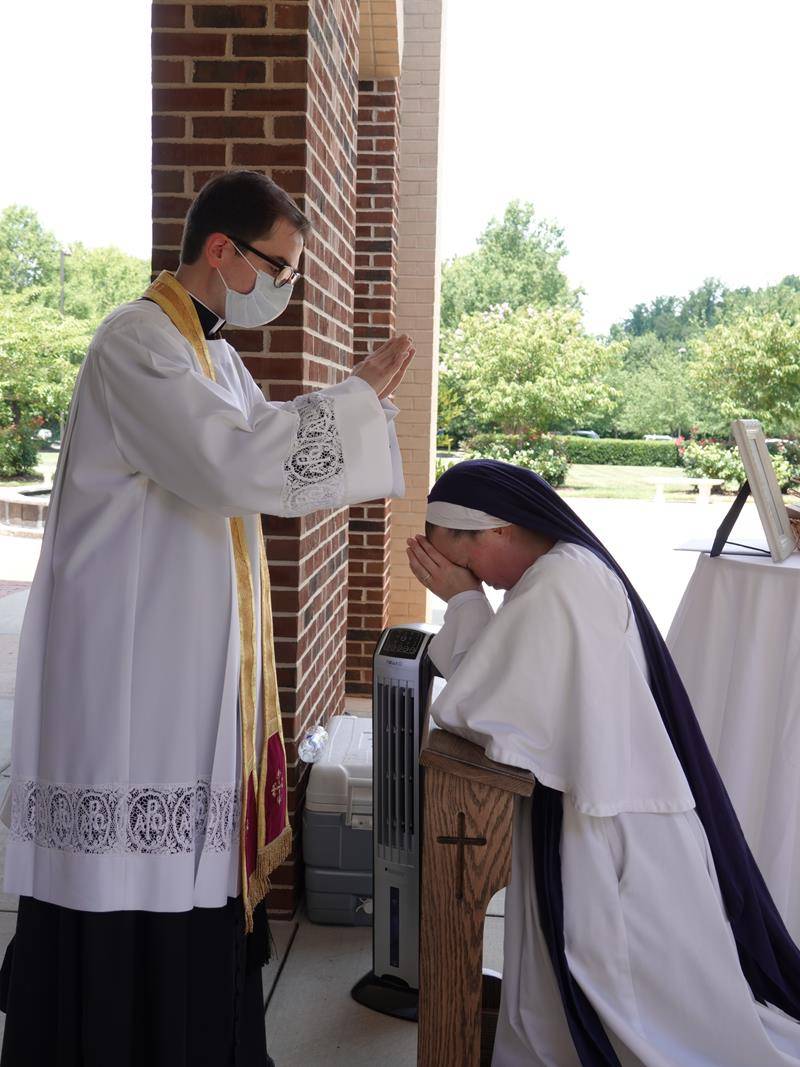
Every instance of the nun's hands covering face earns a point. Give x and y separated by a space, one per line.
436 572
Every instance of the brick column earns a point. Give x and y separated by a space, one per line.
377 190
417 290
272 86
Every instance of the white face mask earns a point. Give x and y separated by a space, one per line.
261 305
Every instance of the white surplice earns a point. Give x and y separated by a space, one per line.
126 749
556 683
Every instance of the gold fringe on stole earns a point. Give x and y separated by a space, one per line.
247 691
175 302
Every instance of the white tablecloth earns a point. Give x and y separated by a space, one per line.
736 642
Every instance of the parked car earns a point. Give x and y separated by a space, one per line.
658 437
585 433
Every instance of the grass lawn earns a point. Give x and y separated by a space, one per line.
45 469
623 483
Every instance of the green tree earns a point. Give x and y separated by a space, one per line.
674 318
749 367
28 253
532 369
458 418
97 280
40 351
517 262
659 395
641 349
782 299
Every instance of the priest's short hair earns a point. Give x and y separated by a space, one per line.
241 203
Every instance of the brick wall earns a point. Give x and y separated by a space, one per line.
417 291
273 86
375 277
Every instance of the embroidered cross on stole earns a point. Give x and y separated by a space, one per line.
265 837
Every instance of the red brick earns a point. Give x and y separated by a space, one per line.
290 126
169 71
167 181
170 207
285 340
269 100
267 155
230 71
189 154
167 234
270 44
290 70
168 126
227 127
163 259
200 177
246 340
291 16
167 16
188 99
236 16
188 44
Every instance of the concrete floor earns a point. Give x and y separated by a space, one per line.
310 1017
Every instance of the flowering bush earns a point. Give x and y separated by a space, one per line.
713 459
543 453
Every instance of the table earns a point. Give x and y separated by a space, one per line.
736 642
468 810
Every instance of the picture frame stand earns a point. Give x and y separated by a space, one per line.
726 527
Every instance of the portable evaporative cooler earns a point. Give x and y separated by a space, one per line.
402 682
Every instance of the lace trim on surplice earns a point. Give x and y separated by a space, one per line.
314 468
154 820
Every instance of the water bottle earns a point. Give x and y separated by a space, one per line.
313 744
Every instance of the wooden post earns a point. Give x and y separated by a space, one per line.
466 859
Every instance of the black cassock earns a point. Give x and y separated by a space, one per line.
134 988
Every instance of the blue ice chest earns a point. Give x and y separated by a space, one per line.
337 826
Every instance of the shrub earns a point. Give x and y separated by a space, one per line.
19 449
622 453
543 453
713 459
443 462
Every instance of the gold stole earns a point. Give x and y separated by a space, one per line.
265 838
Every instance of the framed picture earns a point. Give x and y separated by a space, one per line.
752 445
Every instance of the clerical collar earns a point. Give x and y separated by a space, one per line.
209 320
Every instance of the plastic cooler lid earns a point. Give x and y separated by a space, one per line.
341 780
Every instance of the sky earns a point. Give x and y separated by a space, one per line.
661 136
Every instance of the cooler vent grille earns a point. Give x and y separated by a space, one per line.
396 769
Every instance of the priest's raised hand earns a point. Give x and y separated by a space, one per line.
385 368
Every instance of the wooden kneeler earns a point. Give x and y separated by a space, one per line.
466 859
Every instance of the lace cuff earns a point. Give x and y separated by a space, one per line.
314 468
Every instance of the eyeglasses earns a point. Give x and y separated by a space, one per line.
286 275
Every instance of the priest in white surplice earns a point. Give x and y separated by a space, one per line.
638 932
147 805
